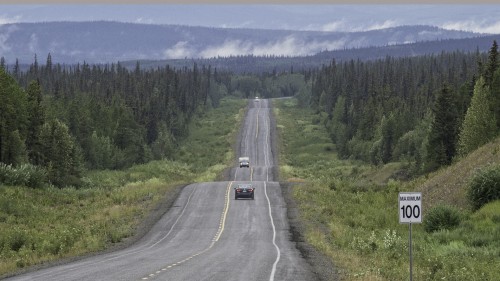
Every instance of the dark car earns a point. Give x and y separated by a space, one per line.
244 162
244 191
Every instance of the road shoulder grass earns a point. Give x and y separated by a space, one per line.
47 226
350 213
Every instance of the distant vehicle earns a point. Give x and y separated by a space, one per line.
244 190
244 162
256 99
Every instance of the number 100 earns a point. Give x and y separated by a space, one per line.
410 211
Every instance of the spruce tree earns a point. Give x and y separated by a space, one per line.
492 63
443 135
13 119
479 125
338 126
59 153
388 140
36 118
17 153
495 97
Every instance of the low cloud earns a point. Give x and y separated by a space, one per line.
179 51
33 43
288 46
144 21
228 48
382 25
345 26
4 37
336 26
426 33
6 20
474 26
245 24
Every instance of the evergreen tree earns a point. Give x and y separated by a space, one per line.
60 154
48 65
388 140
36 119
441 147
495 97
304 95
479 125
16 70
13 119
17 153
492 63
101 152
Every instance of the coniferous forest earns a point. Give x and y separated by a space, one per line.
64 119
59 120
425 110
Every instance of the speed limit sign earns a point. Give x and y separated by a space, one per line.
410 211
410 207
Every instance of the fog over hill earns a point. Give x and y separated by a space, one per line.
104 41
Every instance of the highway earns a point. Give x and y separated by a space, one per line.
207 235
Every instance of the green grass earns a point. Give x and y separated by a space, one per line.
45 224
449 185
212 135
350 211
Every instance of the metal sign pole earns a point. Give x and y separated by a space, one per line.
411 258
410 211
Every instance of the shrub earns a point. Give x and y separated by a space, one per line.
484 187
441 217
25 175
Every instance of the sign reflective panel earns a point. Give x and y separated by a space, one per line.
410 207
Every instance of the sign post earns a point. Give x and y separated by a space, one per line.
410 211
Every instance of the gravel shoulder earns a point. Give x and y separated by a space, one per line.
320 264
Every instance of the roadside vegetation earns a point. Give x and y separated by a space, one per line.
350 208
49 223
87 152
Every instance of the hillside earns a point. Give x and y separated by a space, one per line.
449 184
103 41
258 64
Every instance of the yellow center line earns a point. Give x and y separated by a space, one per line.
226 209
222 223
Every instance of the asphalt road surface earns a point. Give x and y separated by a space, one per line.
207 235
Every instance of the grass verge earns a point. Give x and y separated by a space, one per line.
350 212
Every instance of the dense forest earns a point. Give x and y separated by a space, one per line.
64 119
57 121
425 111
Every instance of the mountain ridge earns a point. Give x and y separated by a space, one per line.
110 41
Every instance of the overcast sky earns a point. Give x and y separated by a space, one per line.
484 18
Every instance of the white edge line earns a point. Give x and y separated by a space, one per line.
273 271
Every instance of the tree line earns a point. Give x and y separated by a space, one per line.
66 119
426 110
